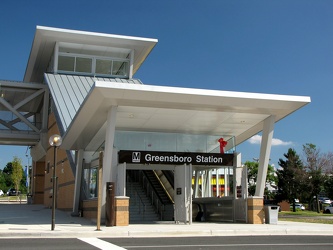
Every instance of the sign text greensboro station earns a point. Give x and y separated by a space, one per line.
175 158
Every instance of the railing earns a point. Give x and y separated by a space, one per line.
153 195
141 204
137 198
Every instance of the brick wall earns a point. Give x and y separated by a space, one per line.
38 182
89 209
255 210
66 180
122 213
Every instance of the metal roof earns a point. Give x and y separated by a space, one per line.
69 92
172 109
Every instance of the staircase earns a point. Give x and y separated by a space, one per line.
156 182
140 208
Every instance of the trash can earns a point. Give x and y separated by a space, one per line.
271 214
110 214
29 198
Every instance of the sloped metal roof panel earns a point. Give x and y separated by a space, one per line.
69 92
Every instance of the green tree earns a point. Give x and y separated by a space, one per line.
7 173
252 170
3 186
291 177
8 181
315 163
17 172
328 186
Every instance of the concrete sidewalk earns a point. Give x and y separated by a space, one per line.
22 220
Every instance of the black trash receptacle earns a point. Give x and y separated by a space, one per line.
110 216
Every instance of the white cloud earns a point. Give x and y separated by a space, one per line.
256 139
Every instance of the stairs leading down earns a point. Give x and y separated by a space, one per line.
140 208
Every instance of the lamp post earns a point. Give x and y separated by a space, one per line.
55 141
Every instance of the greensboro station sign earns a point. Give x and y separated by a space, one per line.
175 158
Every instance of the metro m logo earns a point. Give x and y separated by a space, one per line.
136 156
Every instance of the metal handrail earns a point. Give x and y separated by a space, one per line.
141 203
151 192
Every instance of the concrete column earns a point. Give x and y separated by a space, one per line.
109 170
78 178
209 181
196 184
265 151
179 194
121 180
217 183
189 192
131 64
226 181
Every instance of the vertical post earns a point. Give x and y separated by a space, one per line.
110 205
78 180
190 193
54 193
99 201
54 141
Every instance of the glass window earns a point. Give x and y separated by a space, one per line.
120 68
103 67
83 65
93 183
66 63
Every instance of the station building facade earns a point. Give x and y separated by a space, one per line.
177 147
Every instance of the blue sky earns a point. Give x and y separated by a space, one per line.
277 47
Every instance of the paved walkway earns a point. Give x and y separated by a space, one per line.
22 220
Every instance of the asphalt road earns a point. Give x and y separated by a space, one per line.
193 243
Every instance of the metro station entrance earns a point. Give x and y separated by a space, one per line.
183 187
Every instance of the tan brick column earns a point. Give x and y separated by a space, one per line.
122 210
255 210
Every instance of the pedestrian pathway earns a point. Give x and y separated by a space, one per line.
23 220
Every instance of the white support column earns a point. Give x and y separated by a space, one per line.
131 64
121 180
109 171
206 184
265 151
189 193
78 178
217 179
202 183
196 184
55 59
226 181
183 195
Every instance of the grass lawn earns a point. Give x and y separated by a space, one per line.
13 198
306 216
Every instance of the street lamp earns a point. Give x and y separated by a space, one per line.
55 141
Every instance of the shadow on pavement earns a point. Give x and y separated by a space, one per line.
26 214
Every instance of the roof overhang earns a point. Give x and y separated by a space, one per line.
177 110
46 37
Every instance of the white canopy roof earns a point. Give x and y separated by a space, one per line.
172 109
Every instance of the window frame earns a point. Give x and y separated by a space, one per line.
93 65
